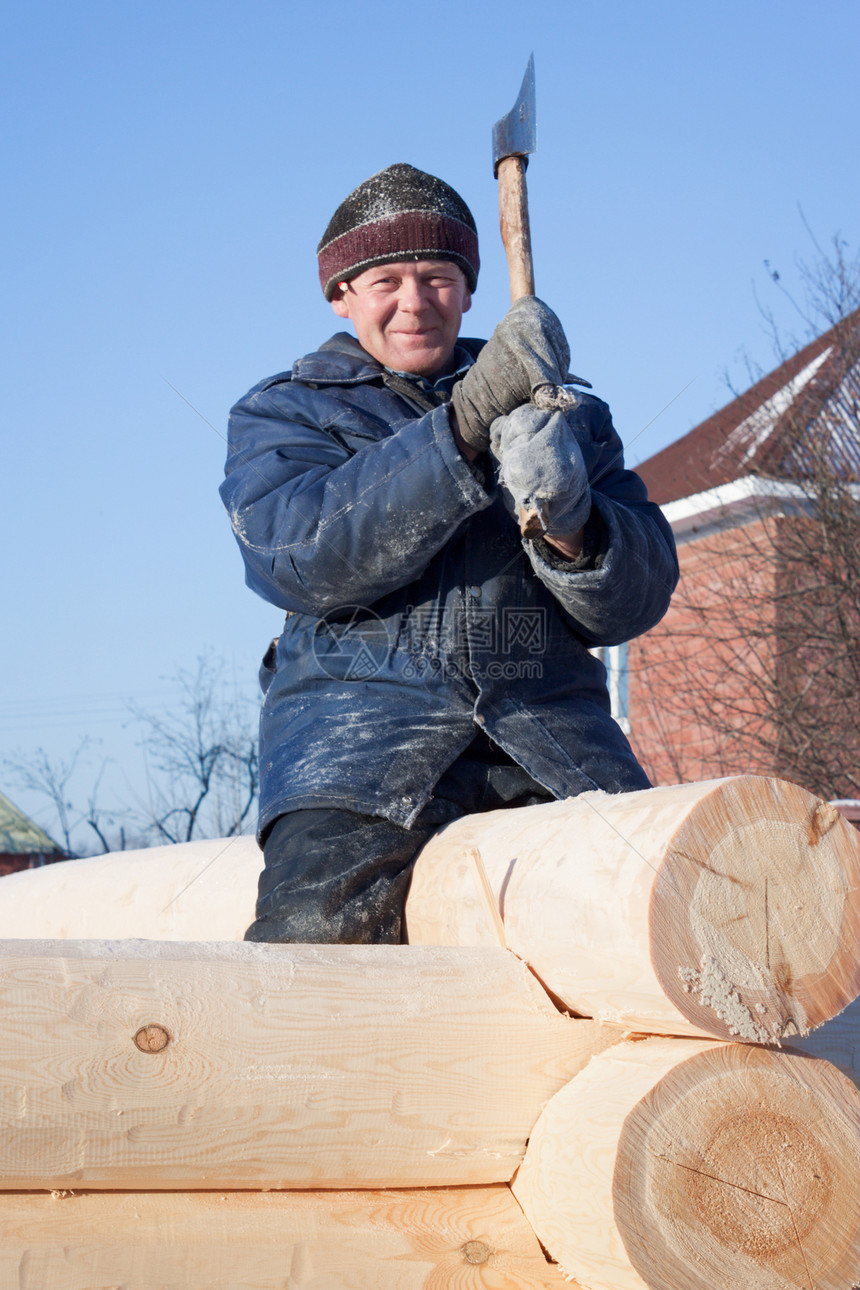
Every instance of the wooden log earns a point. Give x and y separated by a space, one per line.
688 1165
473 1238
767 916
729 908
194 891
138 1065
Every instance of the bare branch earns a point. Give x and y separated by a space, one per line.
202 779
205 757
49 777
756 669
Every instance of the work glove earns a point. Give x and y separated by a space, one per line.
541 468
528 349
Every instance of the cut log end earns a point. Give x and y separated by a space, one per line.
754 924
739 1166
742 1170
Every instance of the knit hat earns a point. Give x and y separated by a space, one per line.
399 214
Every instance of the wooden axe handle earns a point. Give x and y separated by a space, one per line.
514 222
517 238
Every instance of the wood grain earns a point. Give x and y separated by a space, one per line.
194 891
686 1165
473 1238
701 909
285 1066
514 224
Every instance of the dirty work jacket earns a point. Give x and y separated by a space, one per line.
414 608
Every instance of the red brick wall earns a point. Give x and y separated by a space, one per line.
755 668
685 670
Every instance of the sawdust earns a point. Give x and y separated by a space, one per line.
716 991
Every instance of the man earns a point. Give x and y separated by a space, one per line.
434 662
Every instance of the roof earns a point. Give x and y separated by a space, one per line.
777 428
20 836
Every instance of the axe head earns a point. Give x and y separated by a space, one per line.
514 135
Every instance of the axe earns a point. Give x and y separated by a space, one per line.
514 137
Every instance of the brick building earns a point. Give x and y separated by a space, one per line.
756 666
23 845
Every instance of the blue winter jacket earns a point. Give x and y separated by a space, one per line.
414 608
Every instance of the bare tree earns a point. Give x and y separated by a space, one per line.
203 757
830 287
49 777
759 659
201 772
99 820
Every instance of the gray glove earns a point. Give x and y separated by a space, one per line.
527 349
541 467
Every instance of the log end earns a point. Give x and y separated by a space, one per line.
737 1166
755 914
742 1169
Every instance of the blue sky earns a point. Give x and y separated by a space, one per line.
168 171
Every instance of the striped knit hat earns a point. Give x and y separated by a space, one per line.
399 214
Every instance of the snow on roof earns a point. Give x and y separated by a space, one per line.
777 428
20 836
745 440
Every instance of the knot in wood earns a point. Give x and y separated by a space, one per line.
476 1252
152 1039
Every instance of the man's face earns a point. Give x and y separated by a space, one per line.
407 315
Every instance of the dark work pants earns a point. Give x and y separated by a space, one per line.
334 876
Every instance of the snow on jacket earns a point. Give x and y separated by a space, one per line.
414 608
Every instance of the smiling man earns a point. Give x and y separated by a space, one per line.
434 661
407 315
